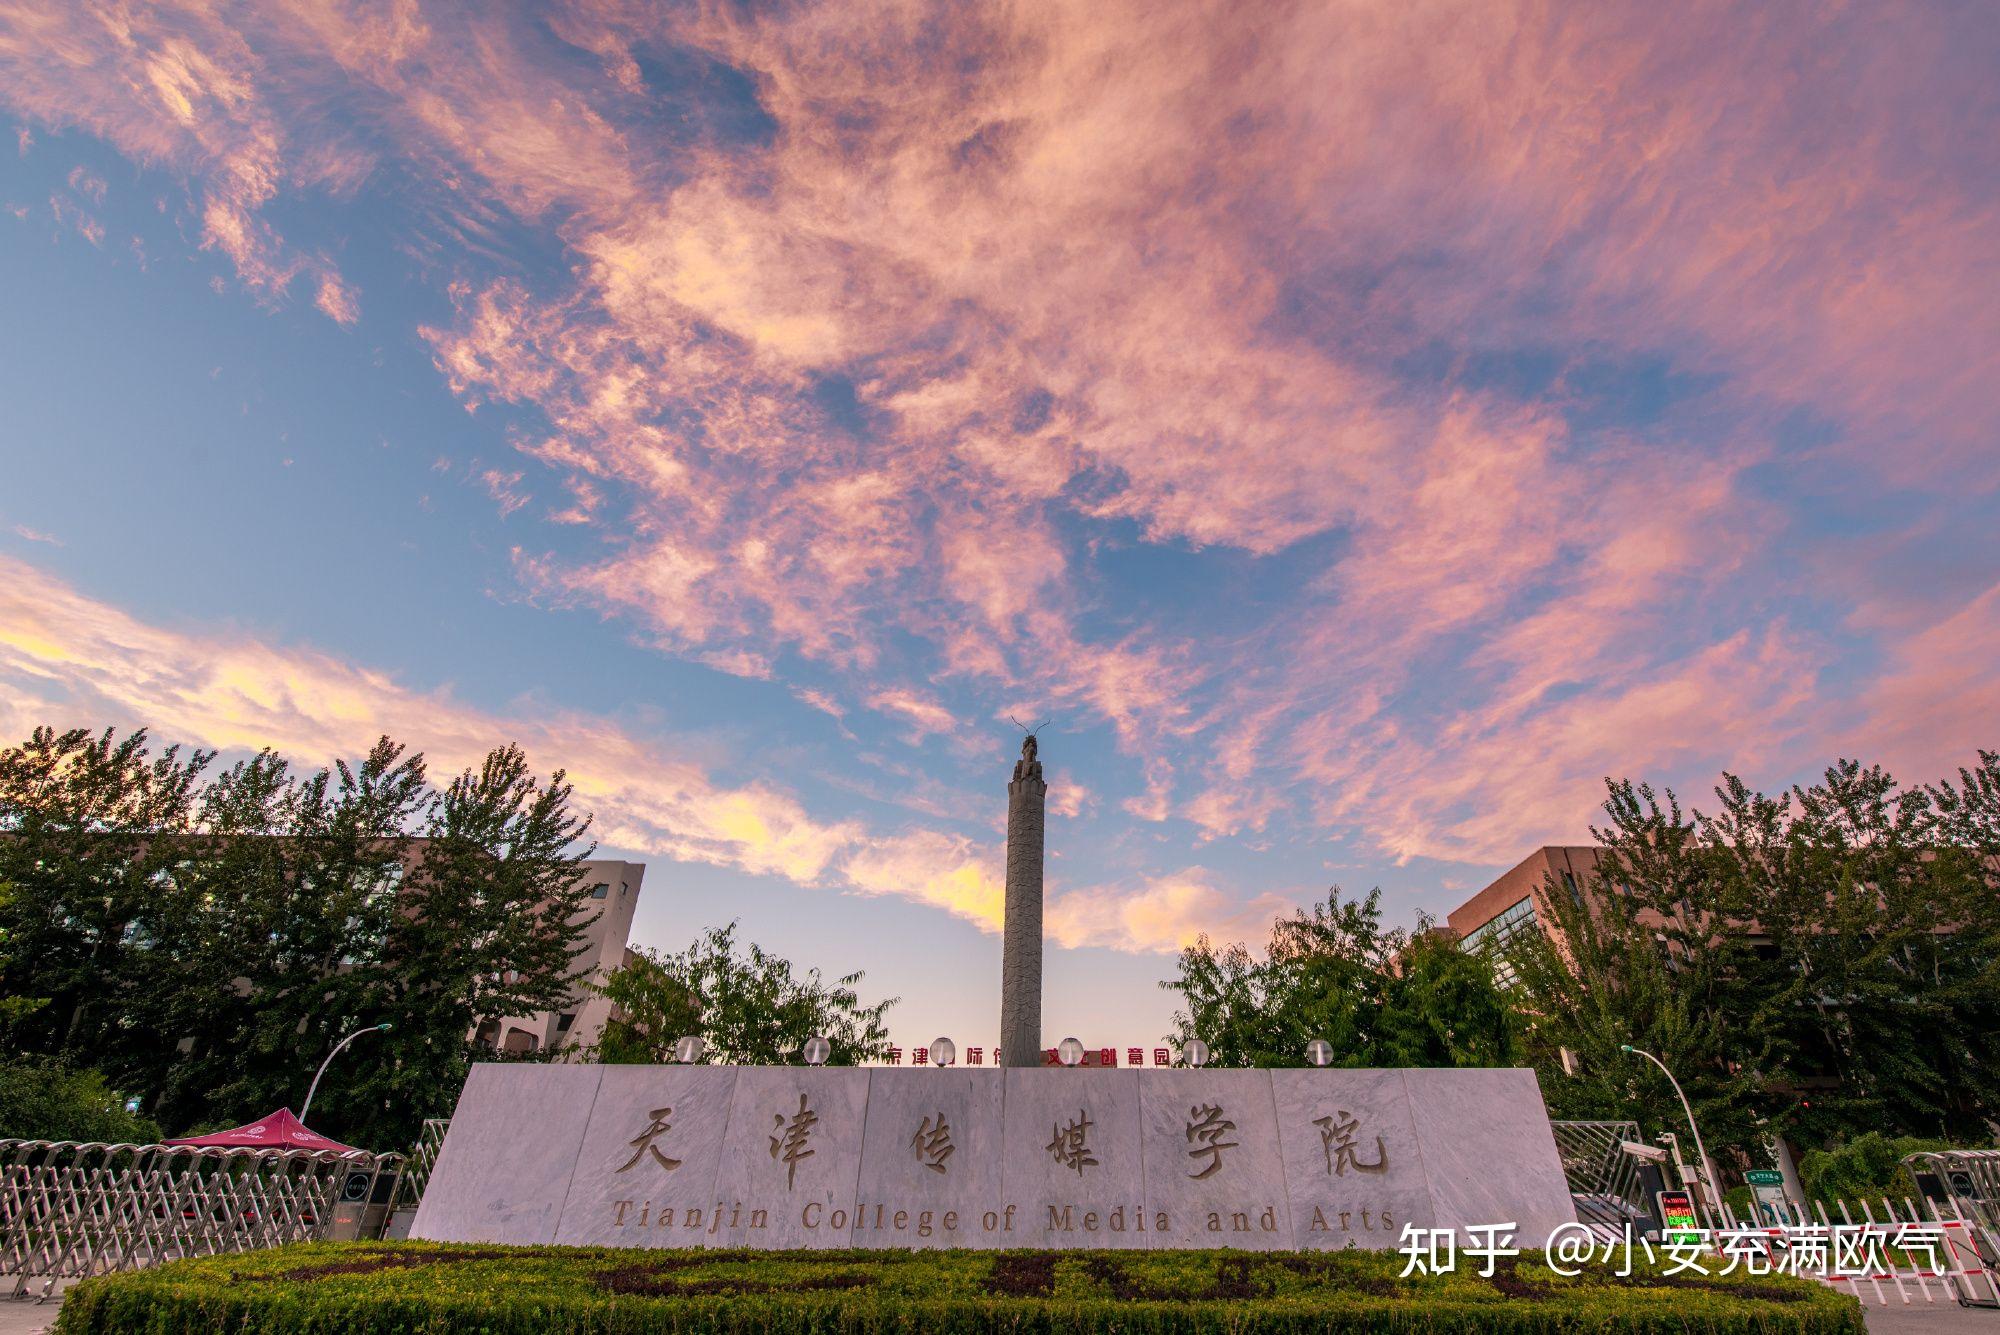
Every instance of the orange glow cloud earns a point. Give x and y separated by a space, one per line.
66 658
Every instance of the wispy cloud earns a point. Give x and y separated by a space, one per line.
66 659
1482 377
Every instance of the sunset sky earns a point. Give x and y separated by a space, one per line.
1361 427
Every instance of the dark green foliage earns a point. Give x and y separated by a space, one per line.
376 1289
1380 997
43 1099
1815 965
1868 1167
205 938
747 1007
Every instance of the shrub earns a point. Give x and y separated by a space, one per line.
378 1288
43 1099
1868 1166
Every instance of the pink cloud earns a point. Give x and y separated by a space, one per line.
1936 699
337 299
890 374
924 716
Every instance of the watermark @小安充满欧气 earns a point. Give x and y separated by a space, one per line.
1824 1251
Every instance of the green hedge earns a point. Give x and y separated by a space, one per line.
443 1289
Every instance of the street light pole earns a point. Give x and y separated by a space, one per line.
314 1088
1701 1152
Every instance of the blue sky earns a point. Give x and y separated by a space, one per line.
1358 443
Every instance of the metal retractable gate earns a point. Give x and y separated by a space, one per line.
69 1210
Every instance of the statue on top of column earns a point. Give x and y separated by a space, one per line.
1027 767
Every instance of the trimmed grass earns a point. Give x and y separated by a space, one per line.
453 1289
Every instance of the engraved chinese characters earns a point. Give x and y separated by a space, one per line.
1352 1167
1336 1137
642 1144
649 1151
1071 1163
1213 1175
681 1156
1071 1143
933 1143
1205 1131
930 1160
791 1146
793 1154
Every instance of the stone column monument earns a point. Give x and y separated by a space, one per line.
1021 958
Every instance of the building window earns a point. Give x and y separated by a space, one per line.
600 890
1569 884
563 1022
1493 936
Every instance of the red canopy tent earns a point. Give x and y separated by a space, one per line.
279 1131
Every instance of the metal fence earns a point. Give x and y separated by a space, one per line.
1929 1248
416 1174
1953 1222
1603 1178
70 1210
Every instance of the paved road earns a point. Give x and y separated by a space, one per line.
26 1318
1920 1318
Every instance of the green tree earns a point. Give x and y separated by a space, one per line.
1643 961
13 1009
1442 1006
1380 997
746 1005
488 920
1815 964
44 1098
1869 1166
204 939
83 816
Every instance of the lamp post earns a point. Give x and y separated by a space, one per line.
1701 1153
314 1087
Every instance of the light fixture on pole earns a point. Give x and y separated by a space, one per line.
943 1052
816 1050
1319 1052
1195 1053
1069 1052
314 1087
1701 1153
689 1050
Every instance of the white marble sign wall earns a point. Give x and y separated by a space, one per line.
645 1175
791 1162
1071 1174
1488 1152
508 1156
1352 1165
778 1157
1213 1170
930 1158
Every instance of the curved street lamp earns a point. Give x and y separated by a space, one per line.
1701 1153
314 1087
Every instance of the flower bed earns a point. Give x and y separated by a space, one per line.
445 1289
